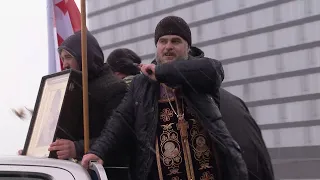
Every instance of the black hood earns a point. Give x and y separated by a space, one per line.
95 57
194 52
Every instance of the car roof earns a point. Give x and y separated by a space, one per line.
74 168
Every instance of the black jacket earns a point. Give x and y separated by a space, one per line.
200 80
245 131
105 89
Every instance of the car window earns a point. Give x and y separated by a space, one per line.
24 176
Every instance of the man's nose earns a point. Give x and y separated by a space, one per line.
65 65
169 45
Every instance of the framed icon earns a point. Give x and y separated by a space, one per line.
49 121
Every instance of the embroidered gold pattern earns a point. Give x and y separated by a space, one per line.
170 148
166 114
182 147
207 176
199 146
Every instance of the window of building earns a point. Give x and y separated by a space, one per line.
270 40
308 7
316 55
279 63
268 137
315 7
257 43
288 87
106 37
247 92
300 34
293 61
274 88
296 111
260 91
203 10
277 14
209 51
250 3
264 66
96 5
161 5
177 2
235 25
146 47
282 112
262 18
241 4
266 114
216 9
249 21
94 23
210 31
314 85
291 137
127 12
223 28
312 31
307 136
313 106
217 51
227 7
285 37
243 46
142 28
230 49
292 10
237 71
108 19
145 7
183 13
195 31
277 137
311 62
315 131
304 83
90 6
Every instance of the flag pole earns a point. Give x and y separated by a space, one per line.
51 42
84 76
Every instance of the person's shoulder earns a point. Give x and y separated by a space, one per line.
139 78
109 81
231 99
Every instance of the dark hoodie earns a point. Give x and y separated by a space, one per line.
104 88
245 131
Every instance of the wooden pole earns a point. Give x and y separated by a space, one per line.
84 76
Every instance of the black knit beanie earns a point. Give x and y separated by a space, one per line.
123 60
173 25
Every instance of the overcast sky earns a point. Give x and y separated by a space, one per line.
23 63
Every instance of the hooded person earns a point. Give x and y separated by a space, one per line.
105 91
245 131
123 63
172 108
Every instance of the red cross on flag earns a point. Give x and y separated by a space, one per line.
63 20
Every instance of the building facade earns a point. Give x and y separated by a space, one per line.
270 50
